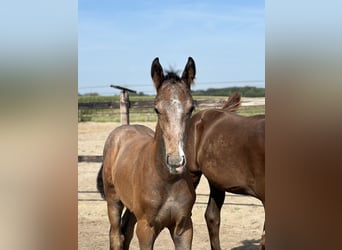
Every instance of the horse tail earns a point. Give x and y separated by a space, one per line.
233 102
99 182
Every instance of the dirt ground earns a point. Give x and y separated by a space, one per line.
242 217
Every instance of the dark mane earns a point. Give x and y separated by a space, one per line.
172 75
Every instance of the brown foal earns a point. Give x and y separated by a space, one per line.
146 171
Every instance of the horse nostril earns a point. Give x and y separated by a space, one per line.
168 159
183 161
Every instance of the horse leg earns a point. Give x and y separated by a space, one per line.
146 235
127 227
196 177
114 208
213 216
182 234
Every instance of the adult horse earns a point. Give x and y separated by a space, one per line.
229 150
145 171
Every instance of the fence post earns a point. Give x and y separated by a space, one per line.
124 103
124 107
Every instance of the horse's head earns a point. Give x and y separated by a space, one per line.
173 105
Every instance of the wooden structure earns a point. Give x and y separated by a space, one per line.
124 103
90 158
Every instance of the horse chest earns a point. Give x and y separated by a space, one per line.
167 213
168 210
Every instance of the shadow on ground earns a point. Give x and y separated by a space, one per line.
248 245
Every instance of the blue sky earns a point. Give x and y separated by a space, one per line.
117 41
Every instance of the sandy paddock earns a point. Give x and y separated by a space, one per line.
242 217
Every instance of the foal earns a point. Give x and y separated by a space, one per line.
145 171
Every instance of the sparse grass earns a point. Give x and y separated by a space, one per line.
251 110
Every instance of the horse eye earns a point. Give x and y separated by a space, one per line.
157 111
191 109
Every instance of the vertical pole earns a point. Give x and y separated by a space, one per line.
124 107
124 103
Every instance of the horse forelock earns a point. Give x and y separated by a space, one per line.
172 76
173 88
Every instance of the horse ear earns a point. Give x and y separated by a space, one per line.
157 73
189 72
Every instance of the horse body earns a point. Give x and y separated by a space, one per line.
145 171
229 150
233 145
121 172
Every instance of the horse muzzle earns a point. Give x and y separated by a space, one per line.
176 164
